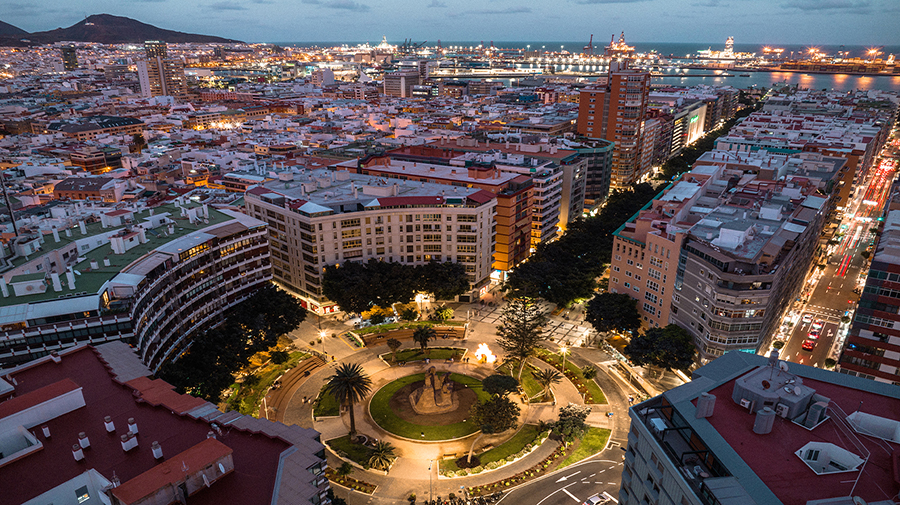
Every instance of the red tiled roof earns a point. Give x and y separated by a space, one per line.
120 212
36 397
171 471
482 196
772 458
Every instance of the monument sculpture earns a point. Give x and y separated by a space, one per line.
436 396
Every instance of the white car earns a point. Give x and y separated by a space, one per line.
599 499
807 318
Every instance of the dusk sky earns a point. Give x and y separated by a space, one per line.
850 22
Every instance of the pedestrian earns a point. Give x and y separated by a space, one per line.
630 399
304 399
423 434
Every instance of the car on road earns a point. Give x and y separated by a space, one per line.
813 334
599 499
818 325
809 345
807 318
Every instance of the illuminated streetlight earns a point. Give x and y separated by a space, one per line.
564 350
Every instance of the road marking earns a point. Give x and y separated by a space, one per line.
563 479
610 468
591 475
564 490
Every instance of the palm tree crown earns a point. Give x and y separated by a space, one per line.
349 385
382 455
546 378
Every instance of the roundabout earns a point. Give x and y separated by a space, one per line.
397 407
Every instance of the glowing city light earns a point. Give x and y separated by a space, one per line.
484 355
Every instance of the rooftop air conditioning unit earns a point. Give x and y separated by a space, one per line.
781 410
745 403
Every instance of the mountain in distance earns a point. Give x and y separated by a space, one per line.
8 30
109 29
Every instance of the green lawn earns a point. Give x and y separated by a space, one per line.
529 385
593 442
385 417
326 405
247 399
592 387
357 453
416 354
528 434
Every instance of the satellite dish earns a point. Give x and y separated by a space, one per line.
783 366
797 390
221 468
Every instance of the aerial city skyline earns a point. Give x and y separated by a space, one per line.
353 252
849 22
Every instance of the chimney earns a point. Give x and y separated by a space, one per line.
46 430
3 287
171 229
129 441
55 234
83 440
109 425
77 452
57 286
69 277
142 235
68 232
94 265
106 262
132 425
55 357
83 227
157 450
210 435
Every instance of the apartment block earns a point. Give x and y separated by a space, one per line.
750 430
872 349
400 83
325 217
151 277
723 251
161 76
90 425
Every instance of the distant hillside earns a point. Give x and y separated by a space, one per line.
109 29
8 30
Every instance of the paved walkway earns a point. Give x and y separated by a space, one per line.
416 470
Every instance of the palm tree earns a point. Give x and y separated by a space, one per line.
394 344
422 335
546 378
344 470
349 385
382 455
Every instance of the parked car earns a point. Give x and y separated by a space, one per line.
813 334
809 345
818 325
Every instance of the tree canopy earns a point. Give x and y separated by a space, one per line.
422 335
670 347
613 312
499 384
570 424
252 326
521 329
349 385
566 269
495 415
356 287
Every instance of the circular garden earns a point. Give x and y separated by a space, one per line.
391 409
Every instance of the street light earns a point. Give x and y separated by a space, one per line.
564 350
430 481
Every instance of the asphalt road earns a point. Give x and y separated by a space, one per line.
833 294
574 484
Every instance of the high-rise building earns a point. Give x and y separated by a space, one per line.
155 49
69 57
401 82
749 430
615 111
161 76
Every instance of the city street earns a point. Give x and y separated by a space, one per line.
830 292
575 483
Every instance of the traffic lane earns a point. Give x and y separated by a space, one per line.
573 484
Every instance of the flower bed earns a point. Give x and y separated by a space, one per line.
588 388
546 465
350 482
520 445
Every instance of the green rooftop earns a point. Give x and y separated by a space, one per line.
91 280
